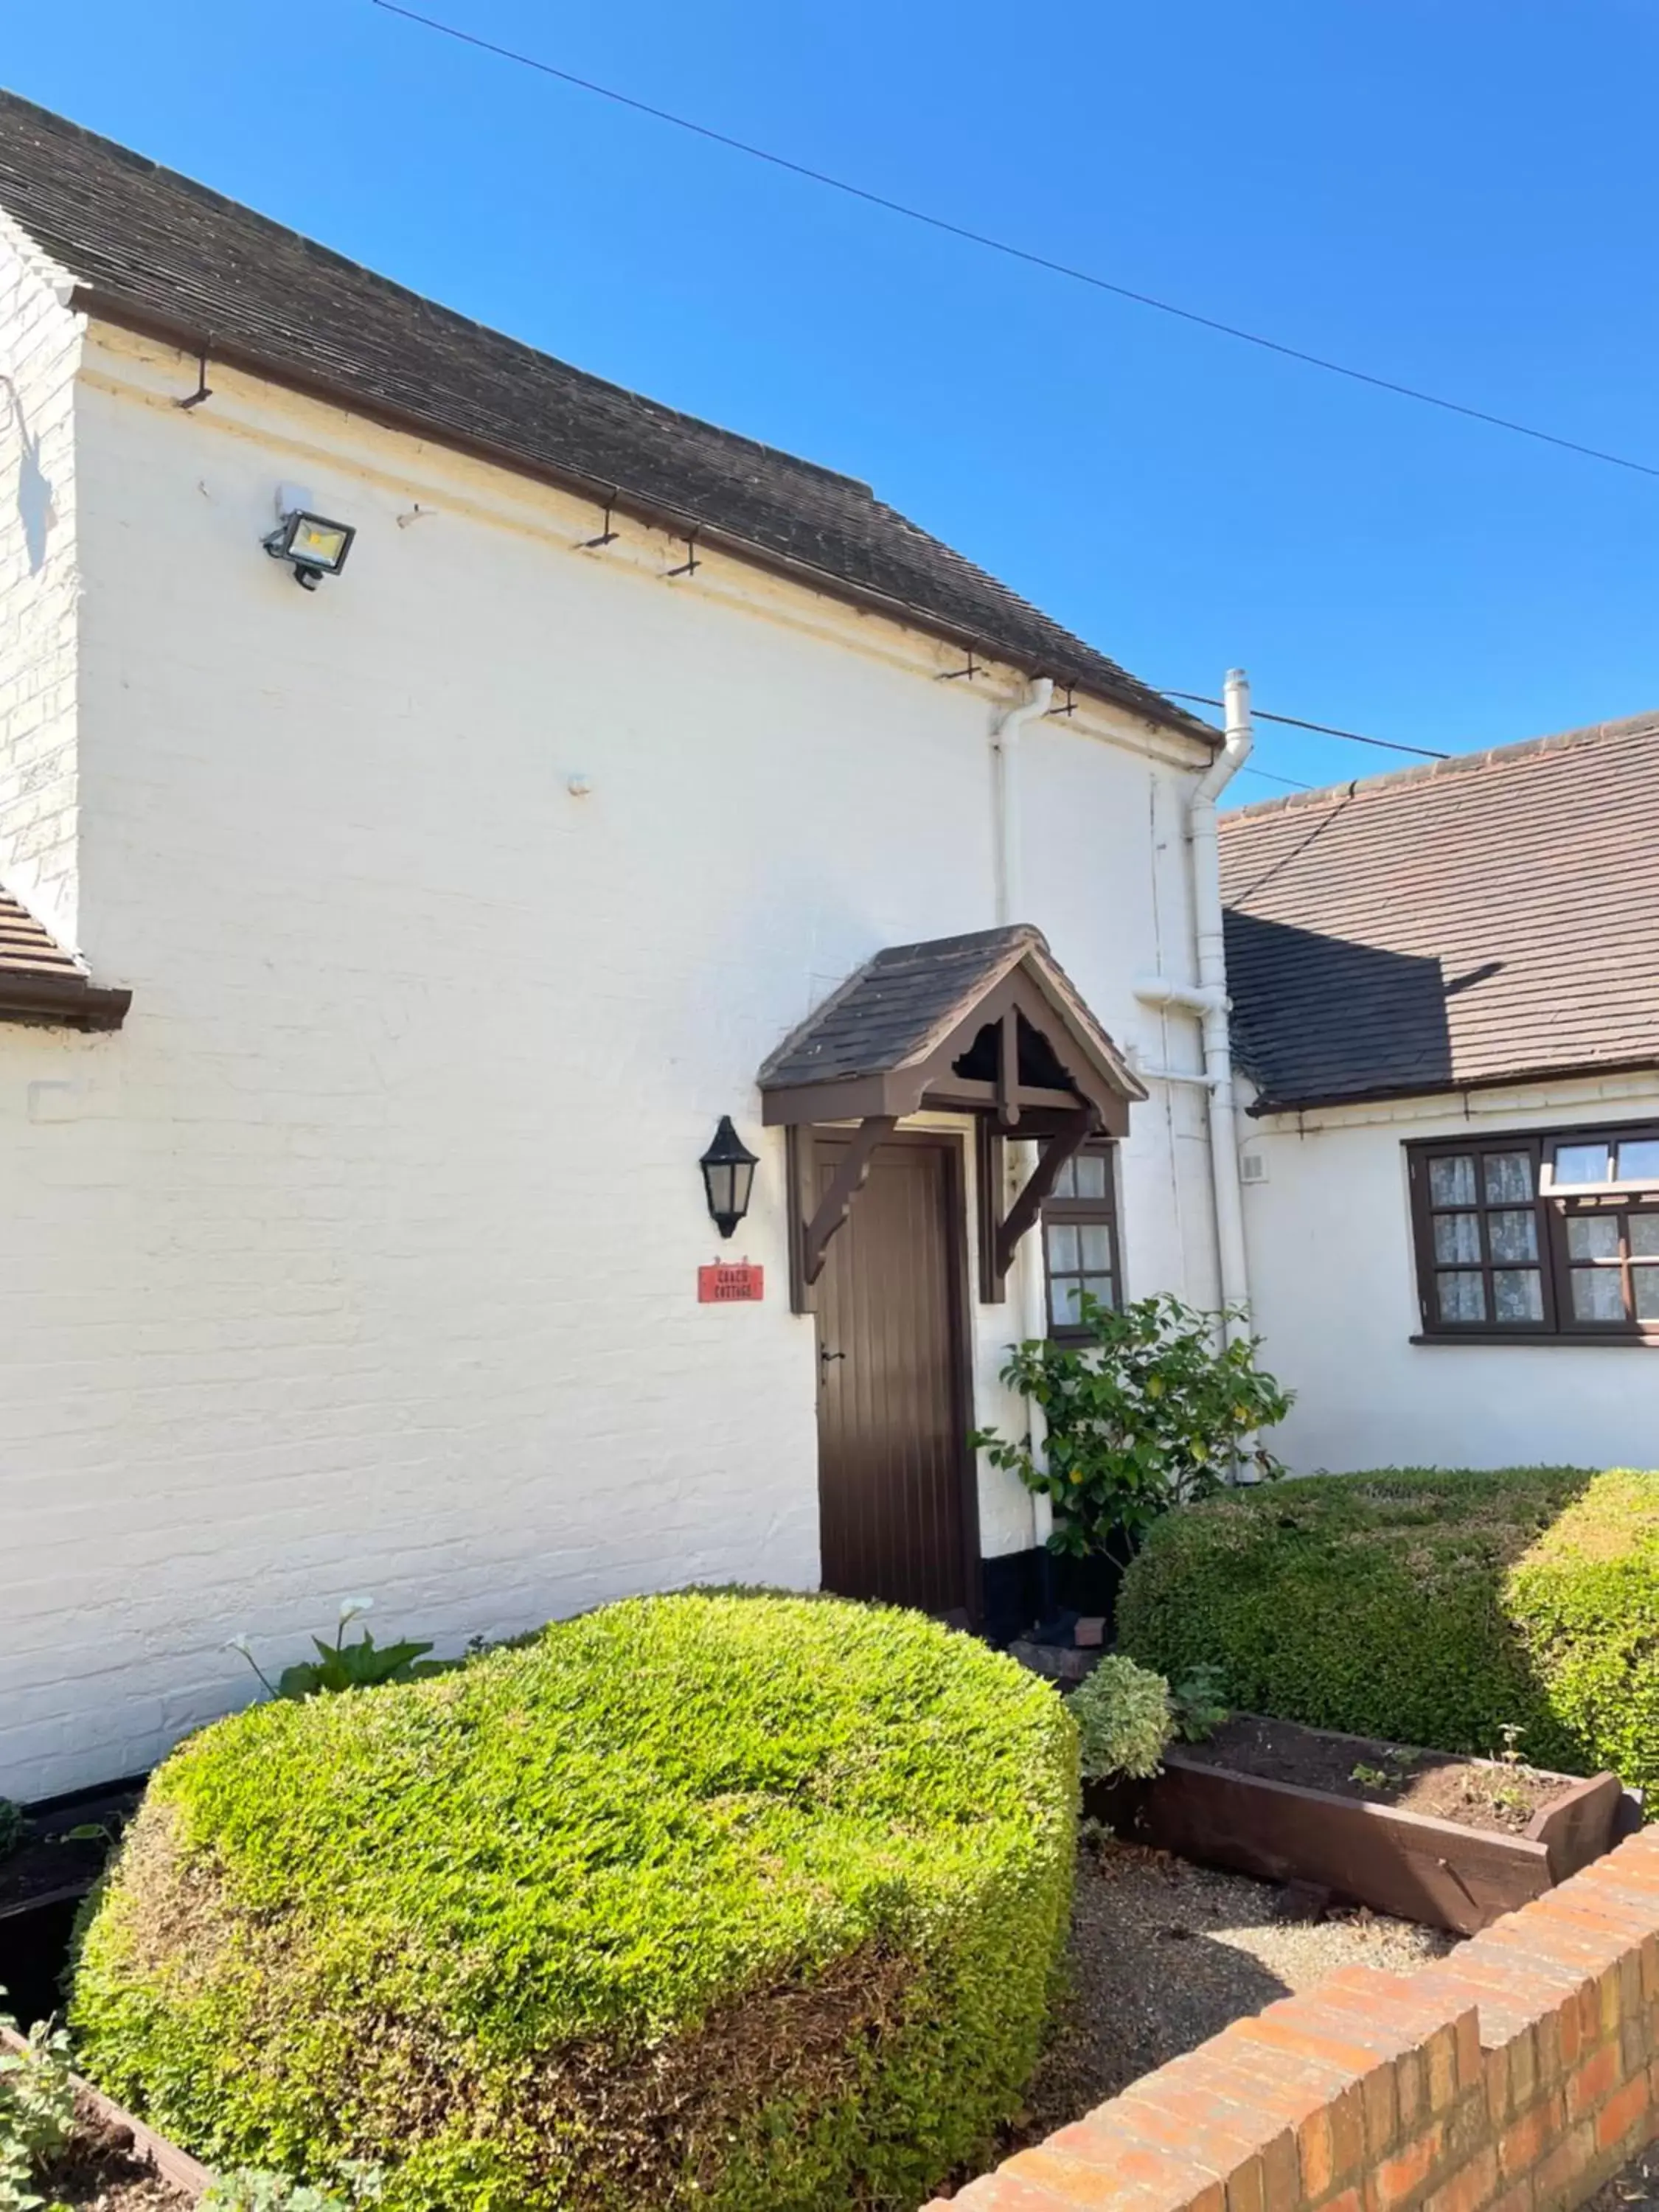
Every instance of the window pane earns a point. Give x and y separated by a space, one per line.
1638 1159
1592 1236
1062 1248
1517 1293
1095 1243
1457 1238
1099 1286
1644 1284
1062 1301
1642 1232
1090 1175
1514 1235
1509 1177
1462 1298
1580 1163
1452 1182
1598 1294
1066 1183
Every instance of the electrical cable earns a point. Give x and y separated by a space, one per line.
1010 251
1320 729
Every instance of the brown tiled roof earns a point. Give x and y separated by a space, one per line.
1488 919
41 982
903 1005
153 250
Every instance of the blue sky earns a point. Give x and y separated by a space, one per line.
1457 193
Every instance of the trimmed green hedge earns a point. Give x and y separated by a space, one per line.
744 1901
1423 1606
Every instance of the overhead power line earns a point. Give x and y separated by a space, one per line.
1010 251
1267 777
1321 729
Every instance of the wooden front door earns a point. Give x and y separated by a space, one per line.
894 1466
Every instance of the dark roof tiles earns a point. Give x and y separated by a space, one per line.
154 249
40 982
1487 919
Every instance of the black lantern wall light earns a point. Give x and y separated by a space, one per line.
728 1176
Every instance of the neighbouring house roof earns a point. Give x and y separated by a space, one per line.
40 982
1486 919
155 251
887 1040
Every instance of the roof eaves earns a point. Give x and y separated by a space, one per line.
101 304
1453 1087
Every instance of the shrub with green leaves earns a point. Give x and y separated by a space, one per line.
1124 1720
747 1902
1425 1607
37 2112
1142 1413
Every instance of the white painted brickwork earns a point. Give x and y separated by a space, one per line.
1334 1286
364 1257
39 348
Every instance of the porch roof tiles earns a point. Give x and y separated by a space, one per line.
897 1010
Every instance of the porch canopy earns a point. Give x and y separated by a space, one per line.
987 1024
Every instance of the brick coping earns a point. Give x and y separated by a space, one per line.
1516 2075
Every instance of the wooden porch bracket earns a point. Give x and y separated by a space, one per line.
849 1180
1061 1148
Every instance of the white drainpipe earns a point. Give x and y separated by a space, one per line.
1209 1000
1027 1286
1005 743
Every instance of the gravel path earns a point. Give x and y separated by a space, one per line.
1164 1954
1635 2190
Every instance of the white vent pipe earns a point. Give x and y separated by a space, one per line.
1208 999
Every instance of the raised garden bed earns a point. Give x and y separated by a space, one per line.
114 2163
60 1855
1451 1843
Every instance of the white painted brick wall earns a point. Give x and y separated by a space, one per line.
39 349
1334 1282
364 1259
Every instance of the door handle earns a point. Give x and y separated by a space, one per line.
825 1356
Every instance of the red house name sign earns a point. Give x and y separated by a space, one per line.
730 1283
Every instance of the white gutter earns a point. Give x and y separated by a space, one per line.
1208 999
1005 743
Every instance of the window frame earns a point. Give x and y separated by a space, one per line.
1057 1211
1552 1206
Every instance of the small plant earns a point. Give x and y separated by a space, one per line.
1199 1702
256 2189
11 1826
37 2112
1124 1720
1144 1414
338 1666
1511 1732
1373 1777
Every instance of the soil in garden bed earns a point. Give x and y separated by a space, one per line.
99 2171
1475 1793
64 1846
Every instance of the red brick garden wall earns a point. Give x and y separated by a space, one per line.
1517 2073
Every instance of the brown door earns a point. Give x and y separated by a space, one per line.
893 1462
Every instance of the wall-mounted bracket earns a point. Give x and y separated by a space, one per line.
607 536
204 389
690 565
1057 1152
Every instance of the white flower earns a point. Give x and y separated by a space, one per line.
241 1643
351 1606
